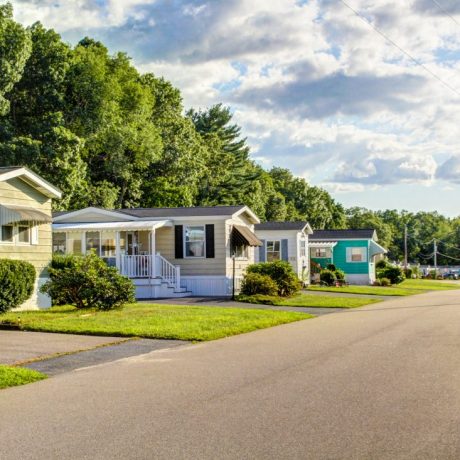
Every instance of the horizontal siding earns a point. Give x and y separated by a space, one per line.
194 266
17 192
340 257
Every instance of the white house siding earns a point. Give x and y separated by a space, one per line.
293 237
17 192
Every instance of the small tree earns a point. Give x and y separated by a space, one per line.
328 277
87 282
17 280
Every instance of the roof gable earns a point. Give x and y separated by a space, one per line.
30 178
345 234
92 214
286 226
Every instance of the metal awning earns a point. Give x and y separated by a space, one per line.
111 226
10 214
243 236
376 249
322 244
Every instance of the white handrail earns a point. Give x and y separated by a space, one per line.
142 266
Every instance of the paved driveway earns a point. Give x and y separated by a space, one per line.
20 346
379 382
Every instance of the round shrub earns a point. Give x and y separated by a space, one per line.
377 282
17 280
393 273
282 273
255 283
382 264
385 282
327 277
339 274
87 282
331 267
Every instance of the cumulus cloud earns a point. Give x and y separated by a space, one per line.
314 87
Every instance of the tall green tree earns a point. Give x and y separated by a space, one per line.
15 49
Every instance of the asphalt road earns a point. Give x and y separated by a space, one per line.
380 382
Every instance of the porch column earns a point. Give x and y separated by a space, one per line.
117 250
152 253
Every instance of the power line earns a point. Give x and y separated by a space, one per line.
416 61
445 11
449 257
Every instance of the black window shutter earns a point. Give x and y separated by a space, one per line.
179 241
210 241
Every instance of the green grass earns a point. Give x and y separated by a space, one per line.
407 287
305 300
154 321
13 376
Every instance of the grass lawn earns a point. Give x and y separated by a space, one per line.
154 321
407 287
13 376
305 300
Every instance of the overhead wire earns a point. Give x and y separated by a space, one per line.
412 58
446 13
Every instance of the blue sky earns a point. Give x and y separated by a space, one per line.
314 87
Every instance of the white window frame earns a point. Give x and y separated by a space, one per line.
32 234
245 255
303 248
267 251
185 241
363 254
326 256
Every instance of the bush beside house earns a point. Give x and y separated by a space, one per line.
280 272
87 282
17 280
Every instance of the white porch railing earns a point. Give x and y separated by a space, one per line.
150 266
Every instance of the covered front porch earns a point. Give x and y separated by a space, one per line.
129 246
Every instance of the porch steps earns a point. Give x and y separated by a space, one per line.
151 288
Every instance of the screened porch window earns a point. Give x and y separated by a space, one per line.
195 241
321 253
93 242
108 248
59 243
273 251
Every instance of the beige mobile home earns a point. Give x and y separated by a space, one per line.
167 252
25 223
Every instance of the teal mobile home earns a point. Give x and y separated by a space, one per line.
353 251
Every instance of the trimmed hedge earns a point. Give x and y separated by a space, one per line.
17 280
87 282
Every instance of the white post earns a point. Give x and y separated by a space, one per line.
152 254
117 250
178 277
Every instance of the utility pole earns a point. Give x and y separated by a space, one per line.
405 247
435 253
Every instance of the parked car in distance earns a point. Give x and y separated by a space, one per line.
451 275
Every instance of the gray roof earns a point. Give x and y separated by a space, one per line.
281 226
174 212
7 169
345 234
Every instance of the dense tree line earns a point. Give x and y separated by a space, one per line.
109 136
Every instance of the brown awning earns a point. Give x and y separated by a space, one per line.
243 236
11 213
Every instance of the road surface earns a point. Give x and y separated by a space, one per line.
380 382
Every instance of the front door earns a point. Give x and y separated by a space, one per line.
132 244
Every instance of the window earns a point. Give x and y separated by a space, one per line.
195 241
59 243
303 248
321 253
240 251
108 248
356 254
93 242
23 233
273 251
7 234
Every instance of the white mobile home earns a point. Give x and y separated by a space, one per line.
167 252
285 241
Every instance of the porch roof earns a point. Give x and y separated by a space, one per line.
113 226
322 244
